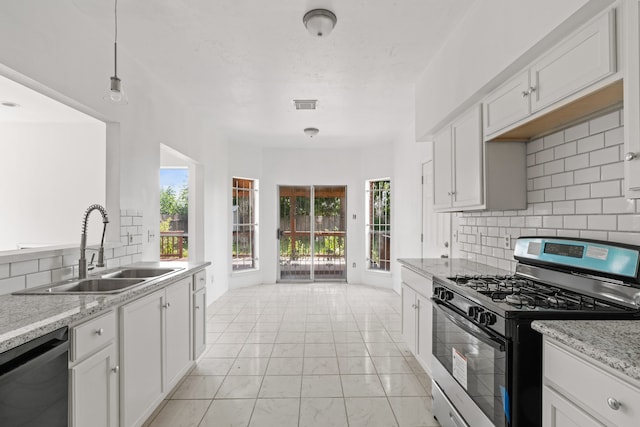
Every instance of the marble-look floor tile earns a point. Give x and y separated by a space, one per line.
318 327
320 366
275 412
346 336
369 412
402 385
285 366
413 411
319 350
228 413
264 326
318 337
356 365
321 386
352 349
181 413
288 350
361 386
261 337
224 350
391 365
383 349
322 412
376 336
280 386
212 366
241 387
240 327
256 350
198 387
154 414
249 366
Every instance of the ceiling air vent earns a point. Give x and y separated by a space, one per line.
305 104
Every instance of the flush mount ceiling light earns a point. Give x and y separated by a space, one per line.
116 94
311 132
319 22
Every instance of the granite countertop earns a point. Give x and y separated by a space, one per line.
25 317
447 267
615 343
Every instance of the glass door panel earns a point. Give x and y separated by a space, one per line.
294 234
329 207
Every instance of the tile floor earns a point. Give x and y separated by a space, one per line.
302 355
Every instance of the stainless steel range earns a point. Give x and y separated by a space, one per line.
487 361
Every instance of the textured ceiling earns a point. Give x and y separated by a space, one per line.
242 62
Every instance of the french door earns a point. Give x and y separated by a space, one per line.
312 233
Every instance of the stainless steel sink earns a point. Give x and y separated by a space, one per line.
85 286
140 273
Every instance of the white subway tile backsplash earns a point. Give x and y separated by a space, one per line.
602 157
618 205
553 139
543 208
535 171
583 176
602 222
12 284
554 194
564 208
614 137
604 122
593 142
542 183
49 263
556 166
589 206
629 223
38 279
535 196
574 192
575 221
612 171
576 132
4 271
535 146
552 221
24 267
629 238
576 162
533 221
61 274
565 150
544 156
567 233
562 179
531 159
595 235
606 189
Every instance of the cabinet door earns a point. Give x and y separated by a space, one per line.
581 60
507 104
409 317
632 100
94 390
557 411
141 357
199 322
442 174
425 322
176 322
467 158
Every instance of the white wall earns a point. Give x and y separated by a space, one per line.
492 36
49 174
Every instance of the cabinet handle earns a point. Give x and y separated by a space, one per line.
453 193
525 93
613 403
100 331
167 305
531 90
630 156
202 279
197 307
115 369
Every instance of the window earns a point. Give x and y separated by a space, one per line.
378 224
245 227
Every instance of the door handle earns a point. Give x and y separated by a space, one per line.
279 234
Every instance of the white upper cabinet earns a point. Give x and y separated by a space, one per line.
561 76
507 104
442 174
632 100
467 159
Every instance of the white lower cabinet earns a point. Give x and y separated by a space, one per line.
580 392
93 373
417 315
199 310
154 346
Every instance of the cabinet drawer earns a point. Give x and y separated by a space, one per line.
199 280
417 282
590 387
91 335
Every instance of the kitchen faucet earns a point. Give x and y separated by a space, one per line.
82 262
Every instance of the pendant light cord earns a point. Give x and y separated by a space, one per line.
115 40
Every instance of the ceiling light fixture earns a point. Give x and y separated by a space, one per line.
311 132
9 104
319 22
116 93
305 104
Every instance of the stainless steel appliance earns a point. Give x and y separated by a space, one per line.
487 361
34 384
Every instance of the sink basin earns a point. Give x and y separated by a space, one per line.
140 273
85 286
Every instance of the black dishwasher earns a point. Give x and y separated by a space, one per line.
34 382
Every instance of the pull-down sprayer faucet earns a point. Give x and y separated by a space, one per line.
82 262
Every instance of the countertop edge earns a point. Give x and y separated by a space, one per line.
19 336
593 339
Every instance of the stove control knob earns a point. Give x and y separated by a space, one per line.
448 295
436 291
473 311
487 318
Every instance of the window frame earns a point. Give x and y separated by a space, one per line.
382 229
251 193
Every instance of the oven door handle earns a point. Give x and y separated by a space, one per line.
482 334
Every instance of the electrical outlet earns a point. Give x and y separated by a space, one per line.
354 265
507 241
354 216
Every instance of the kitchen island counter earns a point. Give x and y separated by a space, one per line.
615 343
25 317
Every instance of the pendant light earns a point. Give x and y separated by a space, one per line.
116 94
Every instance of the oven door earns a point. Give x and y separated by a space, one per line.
470 364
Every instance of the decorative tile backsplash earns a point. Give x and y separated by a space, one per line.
62 264
574 189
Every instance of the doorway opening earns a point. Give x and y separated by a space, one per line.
312 233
